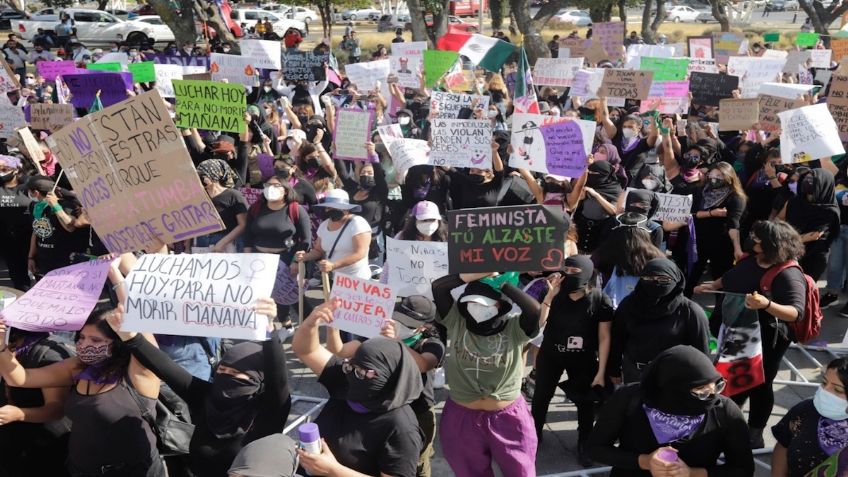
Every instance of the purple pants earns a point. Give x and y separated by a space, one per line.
471 439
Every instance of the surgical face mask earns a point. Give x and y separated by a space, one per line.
629 133
94 354
226 50
650 184
272 193
34 197
291 144
481 313
30 81
493 114
403 120
427 228
830 405
267 89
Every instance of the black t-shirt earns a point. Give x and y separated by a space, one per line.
15 221
427 399
369 443
679 186
798 432
306 191
53 243
43 353
629 157
469 195
229 204
572 326
275 228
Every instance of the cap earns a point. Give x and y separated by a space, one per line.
426 210
414 311
338 199
296 134
308 432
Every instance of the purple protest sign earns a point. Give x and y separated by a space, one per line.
112 86
266 165
49 70
251 195
564 151
61 301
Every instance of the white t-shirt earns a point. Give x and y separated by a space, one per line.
344 247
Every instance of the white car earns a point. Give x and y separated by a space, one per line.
250 16
97 27
575 17
361 14
300 13
159 28
682 13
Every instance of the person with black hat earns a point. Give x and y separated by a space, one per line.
398 36
15 221
53 211
674 422
578 320
271 456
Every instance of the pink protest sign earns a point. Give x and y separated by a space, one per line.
365 305
49 70
250 194
564 149
61 301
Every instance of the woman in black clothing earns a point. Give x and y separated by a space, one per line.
286 170
655 317
247 399
219 179
371 193
674 422
598 206
719 210
425 182
479 187
762 184
15 221
815 215
774 242
631 144
577 337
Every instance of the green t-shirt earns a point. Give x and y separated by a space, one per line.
484 366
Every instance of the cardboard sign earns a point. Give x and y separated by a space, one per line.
674 207
366 75
365 305
738 114
448 105
610 35
753 72
112 66
407 62
11 118
130 168
31 149
770 106
61 301
564 151
576 47
556 71
209 295
50 116
700 47
266 54
353 130
197 77
725 45
528 143
839 47
666 69
807 134
709 88
436 64
407 153
626 84
461 143
304 66
144 72
838 108
8 80
210 105
49 70
235 69
518 239
112 86
412 266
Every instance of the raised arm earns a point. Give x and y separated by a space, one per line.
306 344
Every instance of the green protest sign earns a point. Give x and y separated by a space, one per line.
113 66
210 105
143 72
436 64
666 69
807 39
771 37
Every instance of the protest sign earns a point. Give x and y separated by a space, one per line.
556 71
49 70
407 153
144 72
208 295
528 142
637 51
770 106
709 88
576 47
820 58
31 149
627 84
165 76
8 80
389 133
250 194
210 105
670 89
517 239
674 207
610 35
665 105
838 107
266 54
806 39
51 116
823 76
235 69
11 118
461 143
586 83
725 45
753 72
595 53
700 47
112 87
807 134
412 266
353 130
365 305
366 75
198 76
666 69
130 169
114 57
839 47
407 62
164 59
448 105
304 66
702 66
458 80
786 90
738 114
772 37
564 151
113 67
795 59
61 301
436 64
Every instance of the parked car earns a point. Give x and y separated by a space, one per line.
122 14
706 17
454 23
361 14
682 13
97 27
281 25
578 18
6 17
782 5
791 4
305 15
392 22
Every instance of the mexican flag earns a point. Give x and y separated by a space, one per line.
525 94
484 51
740 351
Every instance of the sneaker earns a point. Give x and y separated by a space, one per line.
828 299
756 438
844 311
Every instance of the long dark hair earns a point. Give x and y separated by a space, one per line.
115 365
410 230
628 249
779 240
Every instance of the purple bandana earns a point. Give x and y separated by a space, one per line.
27 345
93 373
357 408
671 427
833 435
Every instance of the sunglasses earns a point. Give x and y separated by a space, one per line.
360 373
660 279
707 394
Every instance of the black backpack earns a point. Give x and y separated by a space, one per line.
170 422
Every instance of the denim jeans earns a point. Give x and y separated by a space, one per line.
837 264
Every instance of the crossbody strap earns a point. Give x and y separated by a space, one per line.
341 232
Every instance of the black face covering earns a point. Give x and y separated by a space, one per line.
668 380
489 327
553 188
282 173
577 281
397 380
231 406
367 182
5 178
476 178
657 299
643 202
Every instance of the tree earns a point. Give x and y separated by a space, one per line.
498 9
822 16
419 10
649 27
326 8
180 20
720 14
533 42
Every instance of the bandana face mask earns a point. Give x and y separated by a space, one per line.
94 354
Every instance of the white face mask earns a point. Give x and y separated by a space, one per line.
290 143
427 228
267 89
481 313
403 120
226 50
493 114
649 184
628 133
830 405
272 193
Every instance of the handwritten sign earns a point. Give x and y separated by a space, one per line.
304 66
436 64
528 142
366 75
708 88
164 59
753 72
353 130
671 89
626 84
407 153
144 72
11 118
461 143
556 71
412 266
702 65
49 70
235 69
407 62
61 301
738 114
725 45
130 169
266 54
112 66
448 105
807 134
564 151
700 47
638 51
666 69
665 105
839 46
573 47
365 305
610 35
50 116
112 86
520 239
210 105
673 207
770 106
199 294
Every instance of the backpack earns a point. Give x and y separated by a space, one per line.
808 326
170 421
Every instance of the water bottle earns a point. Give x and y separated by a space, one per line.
310 438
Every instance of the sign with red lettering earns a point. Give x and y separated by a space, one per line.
365 305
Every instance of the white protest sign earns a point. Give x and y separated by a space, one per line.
200 294
353 130
266 54
702 65
164 75
412 266
461 143
794 59
636 52
586 82
365 305
448 105
556 71
114 57
389 133
235 69
673 207
820 58
775 54
366 75
11 119
753 72
807 134
407 61
528 143
785 90
407 153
